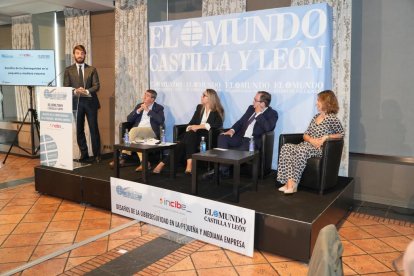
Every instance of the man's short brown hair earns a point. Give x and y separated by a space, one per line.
80 48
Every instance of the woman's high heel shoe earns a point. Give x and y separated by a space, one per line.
283 188
291 190
139 168
158 168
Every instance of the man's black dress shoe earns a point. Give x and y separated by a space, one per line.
224 174
84 159
98 159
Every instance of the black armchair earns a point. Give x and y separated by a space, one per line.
320 173
266 153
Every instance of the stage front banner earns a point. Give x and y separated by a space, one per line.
221 224
55 116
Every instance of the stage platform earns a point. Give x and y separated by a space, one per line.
285 225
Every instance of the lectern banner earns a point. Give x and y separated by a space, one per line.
284 51
55 116
225 225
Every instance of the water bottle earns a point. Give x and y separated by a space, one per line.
162 136
251 144
203 146
126 137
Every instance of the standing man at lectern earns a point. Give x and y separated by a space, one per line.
84 80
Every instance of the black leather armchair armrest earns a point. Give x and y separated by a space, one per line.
213 134
330 162
292 138
178 130
268 140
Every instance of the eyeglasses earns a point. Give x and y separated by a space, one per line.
205 96
257 101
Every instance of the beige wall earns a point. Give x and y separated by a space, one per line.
266 4
382 181
103 58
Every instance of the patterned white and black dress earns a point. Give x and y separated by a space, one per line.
293 158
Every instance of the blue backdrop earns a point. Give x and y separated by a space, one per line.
285 51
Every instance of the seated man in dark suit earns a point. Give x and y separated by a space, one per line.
258 119
147 118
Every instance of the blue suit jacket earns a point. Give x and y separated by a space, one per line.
156 115
264 122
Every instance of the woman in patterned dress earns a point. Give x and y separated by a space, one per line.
324 125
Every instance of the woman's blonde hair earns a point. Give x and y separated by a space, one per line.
215 103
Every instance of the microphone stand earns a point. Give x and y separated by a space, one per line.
76 122
34 124
2 102
51 82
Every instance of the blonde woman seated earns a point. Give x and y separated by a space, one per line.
324 125
208 114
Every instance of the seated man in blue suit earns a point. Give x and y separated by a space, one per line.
258 119
146 119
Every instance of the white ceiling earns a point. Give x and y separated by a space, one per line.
10 8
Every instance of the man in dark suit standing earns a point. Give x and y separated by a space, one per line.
84 80
258 119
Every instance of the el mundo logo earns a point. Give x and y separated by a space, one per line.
191 33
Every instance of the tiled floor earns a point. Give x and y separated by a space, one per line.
33 226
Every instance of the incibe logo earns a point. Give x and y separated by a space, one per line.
173 203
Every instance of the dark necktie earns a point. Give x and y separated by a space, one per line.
246 125
81 76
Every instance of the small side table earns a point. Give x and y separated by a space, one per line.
229 157
145 150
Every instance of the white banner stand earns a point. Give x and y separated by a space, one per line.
56 133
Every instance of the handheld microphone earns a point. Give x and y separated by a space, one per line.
51 82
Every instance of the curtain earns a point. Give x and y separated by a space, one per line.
78 31
131 56
341 63
22 38
218 7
